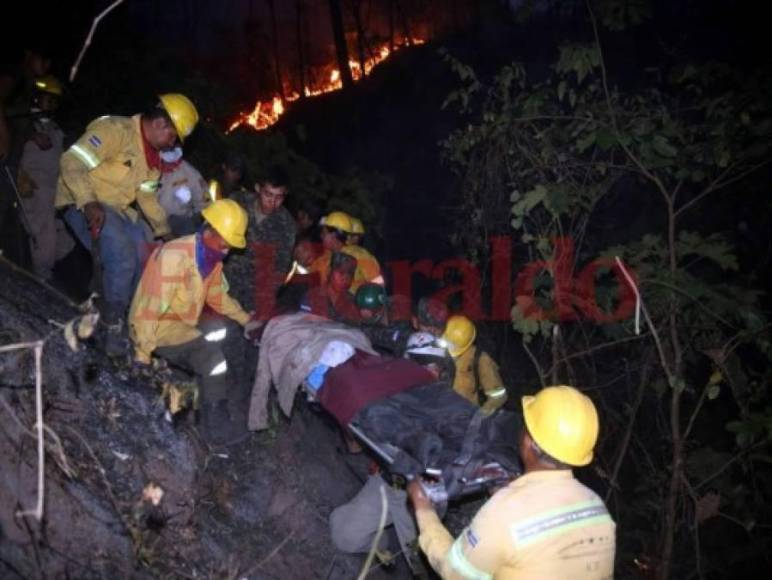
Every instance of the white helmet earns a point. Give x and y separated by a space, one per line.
424 343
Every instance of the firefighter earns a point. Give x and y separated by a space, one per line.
38 173
477 377
545 524
180 278
357 231
334 233
368 268
107 185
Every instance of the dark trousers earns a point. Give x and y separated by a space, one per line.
206 360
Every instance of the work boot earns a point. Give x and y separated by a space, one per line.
116 340
116 343
219 428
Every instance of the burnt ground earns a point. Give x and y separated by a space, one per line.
257 510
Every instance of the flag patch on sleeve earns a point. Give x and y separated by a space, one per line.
94 141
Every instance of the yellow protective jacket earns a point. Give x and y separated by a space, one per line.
545 524
368 268
107 164
171 295
491 386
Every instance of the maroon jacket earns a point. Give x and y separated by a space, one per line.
365 378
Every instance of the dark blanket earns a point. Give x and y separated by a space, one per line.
434 427
366 378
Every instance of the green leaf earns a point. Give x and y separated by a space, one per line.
713 247
535 197
713 391
557 201
663 147
585 142
562 90
605 138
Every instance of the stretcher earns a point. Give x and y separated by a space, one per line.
431 433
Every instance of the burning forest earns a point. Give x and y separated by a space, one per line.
385 289
267 112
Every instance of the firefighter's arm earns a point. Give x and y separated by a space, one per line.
218 299
491 383
98 143
477 554
153 212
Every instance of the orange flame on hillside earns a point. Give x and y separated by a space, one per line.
267 113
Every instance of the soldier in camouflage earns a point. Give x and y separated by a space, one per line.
257 274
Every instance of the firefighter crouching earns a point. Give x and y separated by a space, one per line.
179 279
545 524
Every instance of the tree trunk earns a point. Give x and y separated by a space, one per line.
392 11
356 8
276 54
301 50
676 474
405 25
341 48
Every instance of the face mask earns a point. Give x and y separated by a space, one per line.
207 258
172 155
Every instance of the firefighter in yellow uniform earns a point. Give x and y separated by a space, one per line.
368 269
107 183
334 233
543 525
180 278
337 228
476 373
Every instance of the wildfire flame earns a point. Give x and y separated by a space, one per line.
267 113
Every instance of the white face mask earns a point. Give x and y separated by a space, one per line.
172 155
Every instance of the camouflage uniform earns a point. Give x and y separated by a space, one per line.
257 273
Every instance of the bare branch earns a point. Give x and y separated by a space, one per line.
87 43
718 184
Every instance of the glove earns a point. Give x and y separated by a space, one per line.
253 329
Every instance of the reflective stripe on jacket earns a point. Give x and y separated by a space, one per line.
546 524
107 165
171 295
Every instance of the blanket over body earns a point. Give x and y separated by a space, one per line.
291 345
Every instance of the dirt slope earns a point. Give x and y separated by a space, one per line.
260 511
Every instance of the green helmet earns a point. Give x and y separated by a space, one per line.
371 296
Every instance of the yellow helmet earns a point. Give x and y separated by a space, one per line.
49 84
563 422
357 227
182 112
339 220
229 220
459 335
